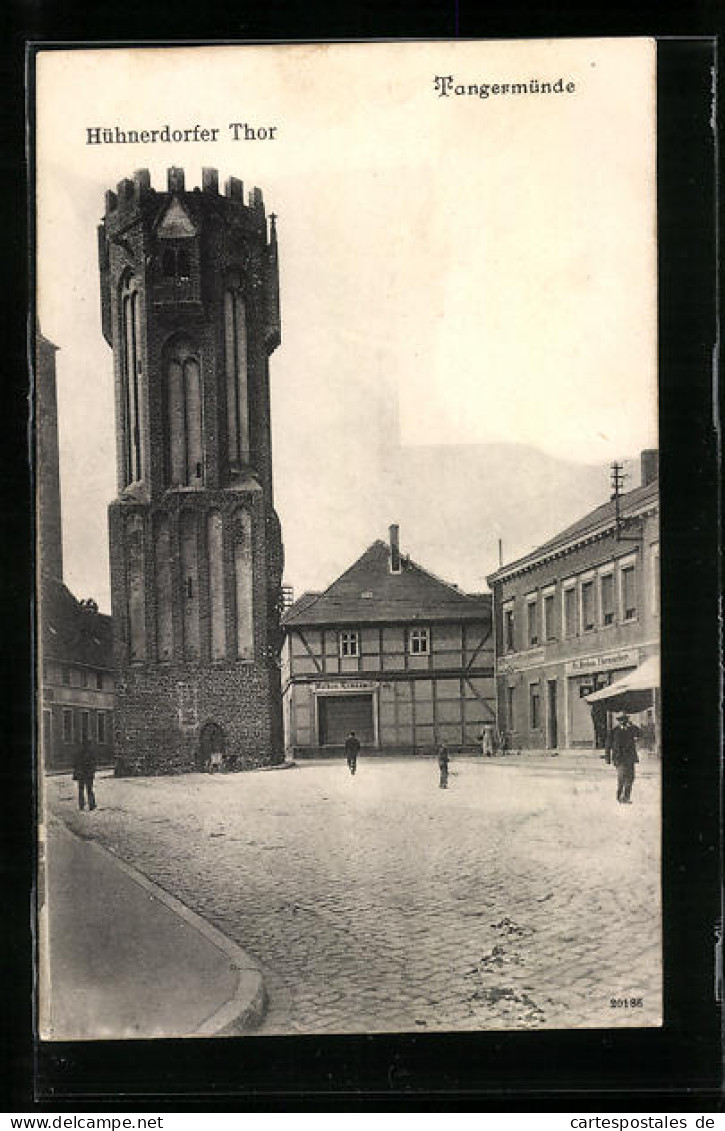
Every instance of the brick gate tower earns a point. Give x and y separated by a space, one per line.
190 306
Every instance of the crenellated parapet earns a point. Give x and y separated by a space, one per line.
131 193
179 243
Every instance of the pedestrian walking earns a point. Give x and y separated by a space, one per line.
622 748
352 749
487 740
84 769
443 765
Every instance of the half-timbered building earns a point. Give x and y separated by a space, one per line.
391 652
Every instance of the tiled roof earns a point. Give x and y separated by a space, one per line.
369 593
71 631
602 516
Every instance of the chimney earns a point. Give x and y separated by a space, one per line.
394 549
650 466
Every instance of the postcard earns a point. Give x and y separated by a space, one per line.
349 705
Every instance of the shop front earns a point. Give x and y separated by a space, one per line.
587 725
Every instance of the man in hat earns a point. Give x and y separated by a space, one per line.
352 749
84 770
623 749
443 765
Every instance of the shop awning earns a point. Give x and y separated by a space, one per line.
634 691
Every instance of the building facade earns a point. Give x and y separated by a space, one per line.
190 307
576 614
75 651
77 679
391 652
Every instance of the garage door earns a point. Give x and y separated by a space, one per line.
339 714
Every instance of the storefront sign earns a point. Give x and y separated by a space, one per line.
345 685
606 661
520 661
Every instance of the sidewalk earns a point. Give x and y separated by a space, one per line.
122 958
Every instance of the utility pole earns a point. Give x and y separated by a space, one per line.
617 480
621 524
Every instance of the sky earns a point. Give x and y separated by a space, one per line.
468 285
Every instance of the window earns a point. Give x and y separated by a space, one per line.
510 708
588 605
236 365
184 444
101 726
65 674
570 623
655 580
85 678
549 630
532 631
508 628
99 681
243 538
168 263
629 593
131 371
85 726
67 725
135 579
349 644
534 706
607 598
176 263
183 263
418 641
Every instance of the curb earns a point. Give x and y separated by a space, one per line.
245 1010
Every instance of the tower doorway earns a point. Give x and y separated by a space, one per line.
212 745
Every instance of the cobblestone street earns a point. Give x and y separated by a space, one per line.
524 896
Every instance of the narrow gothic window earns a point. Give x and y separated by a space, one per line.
131 369
190 575
216 586
184 415
183 263
136 597
235 350
244 584
164 624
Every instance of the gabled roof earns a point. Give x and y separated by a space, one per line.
72 632
369 593
596 521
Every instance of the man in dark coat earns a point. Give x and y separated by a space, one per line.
443 765
352 749
84 769
622 746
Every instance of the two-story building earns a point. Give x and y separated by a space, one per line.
574 615
77 678
391 652
75 653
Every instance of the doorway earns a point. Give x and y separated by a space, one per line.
552 728
211 741
339 714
